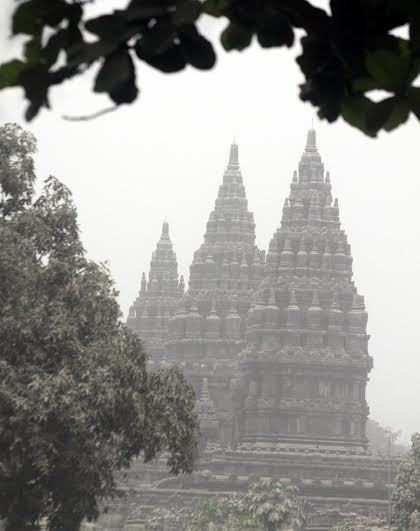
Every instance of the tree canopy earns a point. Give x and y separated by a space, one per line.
76 401
348 51
406 496
356 522
267 505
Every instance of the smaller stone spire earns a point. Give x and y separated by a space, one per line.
335 315
315 300
315 256
143 283
302 255
193 321
233 322
212 324
293 320
327 256
287 256
292 300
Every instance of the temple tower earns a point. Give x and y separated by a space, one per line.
158 297
276 348
305 368
208 329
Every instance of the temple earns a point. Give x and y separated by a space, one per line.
158 298
276 347
305 367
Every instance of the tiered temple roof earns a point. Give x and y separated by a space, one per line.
305 367
228 260
226 270
158 297
208 329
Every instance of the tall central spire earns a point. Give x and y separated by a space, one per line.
229 240
226 270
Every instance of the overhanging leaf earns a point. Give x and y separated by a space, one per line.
10 73
187 12
355 110
399 115
197 50
115 71
275 32
215 8
170 60
33 50
364 84
156 40
379 113
387 68
25 19
107 27
236 37
413 98
55 43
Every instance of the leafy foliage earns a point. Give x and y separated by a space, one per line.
267 505
346 53
406 497
76 401
167 517
356 522
220 513
161 33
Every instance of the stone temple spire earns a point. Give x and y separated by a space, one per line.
159 295
324 338
229 239
163 266
225 271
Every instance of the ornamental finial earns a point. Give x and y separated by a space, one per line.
311 140
165 230
234 155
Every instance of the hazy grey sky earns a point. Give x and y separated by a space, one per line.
165 155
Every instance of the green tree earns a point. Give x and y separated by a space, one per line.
347 51
356 522
406 497
267 505
163 518
76 401
220 513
